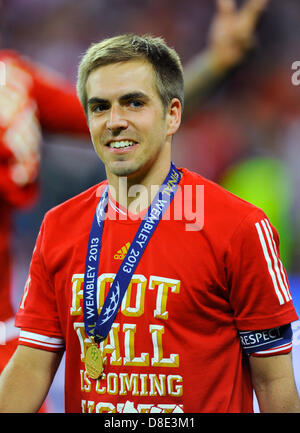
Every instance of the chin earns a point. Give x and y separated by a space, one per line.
122 169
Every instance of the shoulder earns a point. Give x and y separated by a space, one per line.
223 212
76 210
215 194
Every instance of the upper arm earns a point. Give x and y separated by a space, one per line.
59 107
25 381
274 383
42 362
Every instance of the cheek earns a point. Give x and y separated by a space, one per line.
95 138
157 134
154 126
95 131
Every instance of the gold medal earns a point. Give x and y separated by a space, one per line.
94 361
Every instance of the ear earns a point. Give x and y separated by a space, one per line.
173 116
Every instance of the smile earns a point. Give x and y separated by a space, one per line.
121 144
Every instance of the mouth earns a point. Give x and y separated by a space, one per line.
121 145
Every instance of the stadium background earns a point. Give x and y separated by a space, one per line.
244 136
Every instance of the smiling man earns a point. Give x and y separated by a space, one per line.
123 107
185 321
131 113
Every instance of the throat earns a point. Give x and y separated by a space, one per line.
133 199
135 193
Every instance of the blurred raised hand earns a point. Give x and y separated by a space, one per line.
231 34
230 37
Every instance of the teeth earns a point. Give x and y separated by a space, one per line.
118 144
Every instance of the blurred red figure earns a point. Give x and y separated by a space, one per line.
32 97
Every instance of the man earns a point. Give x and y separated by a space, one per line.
34 99
183 301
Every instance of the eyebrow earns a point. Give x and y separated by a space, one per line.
96 100
134 95
123 98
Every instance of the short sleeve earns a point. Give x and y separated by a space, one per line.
259 289
37 315
58 105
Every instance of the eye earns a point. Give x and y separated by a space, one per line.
99 108
136 103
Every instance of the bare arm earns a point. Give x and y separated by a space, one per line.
274 384
26 380
231 35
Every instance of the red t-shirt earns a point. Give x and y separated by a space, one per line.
174 345
31 97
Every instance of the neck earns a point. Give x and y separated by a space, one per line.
136 192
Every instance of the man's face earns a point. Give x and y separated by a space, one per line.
128 126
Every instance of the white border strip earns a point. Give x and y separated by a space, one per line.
275 350
280 272
269 262
41 340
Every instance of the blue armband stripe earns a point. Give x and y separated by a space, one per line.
256 341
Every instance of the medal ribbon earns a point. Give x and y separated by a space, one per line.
98 326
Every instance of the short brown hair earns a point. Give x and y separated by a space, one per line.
165 61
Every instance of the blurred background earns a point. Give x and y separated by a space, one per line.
245 135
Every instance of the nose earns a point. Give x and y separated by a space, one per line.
116 120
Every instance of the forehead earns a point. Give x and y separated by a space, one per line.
121 78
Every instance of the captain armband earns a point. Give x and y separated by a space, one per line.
267 342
